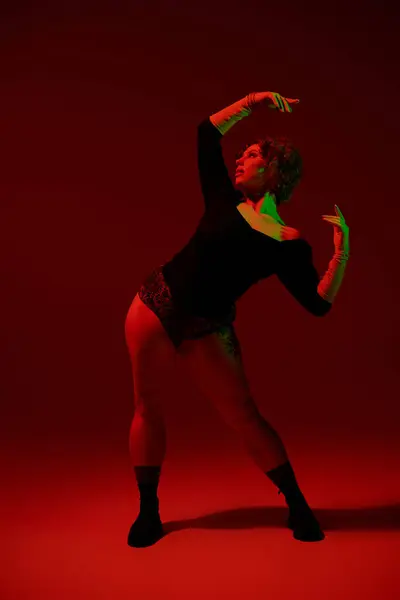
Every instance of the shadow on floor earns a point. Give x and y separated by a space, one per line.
335 519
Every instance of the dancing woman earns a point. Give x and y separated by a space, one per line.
186 307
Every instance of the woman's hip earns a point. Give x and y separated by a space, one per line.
156 295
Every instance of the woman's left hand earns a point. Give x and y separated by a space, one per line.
341 230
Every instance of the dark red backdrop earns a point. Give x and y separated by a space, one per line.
99 108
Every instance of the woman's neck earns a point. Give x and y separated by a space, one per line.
264 206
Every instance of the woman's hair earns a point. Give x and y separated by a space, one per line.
290 164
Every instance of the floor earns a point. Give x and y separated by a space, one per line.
66 522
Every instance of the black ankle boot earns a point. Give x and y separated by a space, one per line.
301 518
147 529
304 525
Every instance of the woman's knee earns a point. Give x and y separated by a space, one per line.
240 413
149 411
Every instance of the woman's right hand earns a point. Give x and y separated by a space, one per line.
278 102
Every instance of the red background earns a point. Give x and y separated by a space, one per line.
99 108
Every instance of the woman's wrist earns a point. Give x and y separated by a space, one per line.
341 255
226 118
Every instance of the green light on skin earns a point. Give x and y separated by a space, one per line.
265 206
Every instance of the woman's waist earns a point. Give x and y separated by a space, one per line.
192 297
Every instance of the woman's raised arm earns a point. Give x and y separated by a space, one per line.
217 188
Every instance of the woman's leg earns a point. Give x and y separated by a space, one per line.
215 364
152 357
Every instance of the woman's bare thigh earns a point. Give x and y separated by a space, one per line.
152 354
215 364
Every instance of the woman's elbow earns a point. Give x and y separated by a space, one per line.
322 309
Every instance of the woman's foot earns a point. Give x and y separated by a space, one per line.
146 530
305 525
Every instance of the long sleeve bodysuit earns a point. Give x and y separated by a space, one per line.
225 256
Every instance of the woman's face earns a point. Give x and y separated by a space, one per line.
253 175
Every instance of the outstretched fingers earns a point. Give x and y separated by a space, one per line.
284 103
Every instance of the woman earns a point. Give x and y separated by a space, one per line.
187 307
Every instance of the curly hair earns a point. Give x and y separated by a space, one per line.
290 164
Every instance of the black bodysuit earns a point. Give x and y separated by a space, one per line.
225 256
